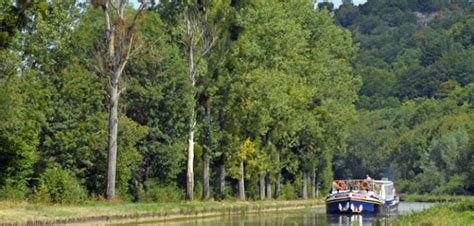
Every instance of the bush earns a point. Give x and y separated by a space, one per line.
455 186
198 190
57 185
164 193
288 191
13 192
403 186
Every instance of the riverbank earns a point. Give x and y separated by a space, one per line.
436 198
461 213
13 213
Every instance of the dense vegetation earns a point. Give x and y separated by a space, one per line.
254 93
461 213
415 111
238 98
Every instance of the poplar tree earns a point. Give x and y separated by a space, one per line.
118 39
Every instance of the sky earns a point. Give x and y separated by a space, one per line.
336 2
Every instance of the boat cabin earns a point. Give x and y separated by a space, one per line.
383 188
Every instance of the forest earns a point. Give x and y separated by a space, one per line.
233 99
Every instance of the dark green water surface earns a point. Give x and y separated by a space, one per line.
302 217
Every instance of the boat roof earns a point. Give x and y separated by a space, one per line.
383 181
372 180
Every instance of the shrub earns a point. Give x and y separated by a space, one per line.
455 186
11 191
403 186
288 191
198 190
57 185
164 193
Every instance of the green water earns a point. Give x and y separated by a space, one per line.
304 217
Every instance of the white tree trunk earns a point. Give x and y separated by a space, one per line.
192 123
277 185
112 148
205 176
190 166
305 185
242 181
119 46
222 181
113 76
262 186
314 184
277 178
268 187
205 155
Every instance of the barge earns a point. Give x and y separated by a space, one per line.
362 196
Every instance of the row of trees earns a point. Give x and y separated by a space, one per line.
415 108
217 91
238 98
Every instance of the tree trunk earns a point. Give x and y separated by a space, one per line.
113 132
277 185
277 177
268 187
313 184
119 46
305 185
192 123
222 180
317 187
190 167
205 175
242 181
262 186
145 176
113 105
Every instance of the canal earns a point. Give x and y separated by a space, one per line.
301 217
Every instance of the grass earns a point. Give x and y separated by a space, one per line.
460 213
436 198
23 212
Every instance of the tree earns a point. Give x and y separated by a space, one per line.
158 97
16 15
119 38
198 33
20 122
347 14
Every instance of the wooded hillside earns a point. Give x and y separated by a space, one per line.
416 60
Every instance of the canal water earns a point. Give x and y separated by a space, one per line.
302 217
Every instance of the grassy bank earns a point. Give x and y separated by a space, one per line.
22 212
461 213
436 198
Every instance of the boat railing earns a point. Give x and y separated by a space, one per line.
356 185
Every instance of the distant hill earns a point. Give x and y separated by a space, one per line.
416 105
412 46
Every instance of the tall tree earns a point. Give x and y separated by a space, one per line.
200 39
119 38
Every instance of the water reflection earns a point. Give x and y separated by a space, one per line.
305 217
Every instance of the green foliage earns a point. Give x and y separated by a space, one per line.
128 156
414 114
20 123
288 191
278 91
57 185
158 98
164 193
444 214
14 192
454 186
